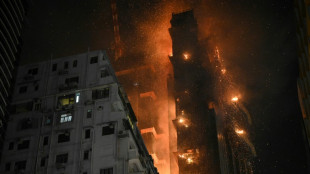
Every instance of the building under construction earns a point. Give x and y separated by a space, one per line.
197 144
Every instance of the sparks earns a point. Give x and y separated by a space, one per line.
235 99
239 131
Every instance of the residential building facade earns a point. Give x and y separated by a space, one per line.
70 115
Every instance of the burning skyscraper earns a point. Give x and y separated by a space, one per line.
193 88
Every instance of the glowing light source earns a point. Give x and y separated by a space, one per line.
181 120
186 56
235 99
223 71
239 131
189 160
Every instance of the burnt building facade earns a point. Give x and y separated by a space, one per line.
197 143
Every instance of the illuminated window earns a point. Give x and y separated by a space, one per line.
93 60
77 97
65 118
66 100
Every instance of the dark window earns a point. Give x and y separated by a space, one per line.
37 106
23 145
23 107
64 137
87 133
66 65
45 141
89 113
93 59
86 154
23 89
106 171
43 160
26 124
36 87
48 120
72 82
8 166
104 73
107 130
20 165
62 158
54 68
33 71
74 63
100 93
11 146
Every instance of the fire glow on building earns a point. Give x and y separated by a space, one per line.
181 132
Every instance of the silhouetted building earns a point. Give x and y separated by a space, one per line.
12 14
302 12
193 89
70 115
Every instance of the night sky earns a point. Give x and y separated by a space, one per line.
256 38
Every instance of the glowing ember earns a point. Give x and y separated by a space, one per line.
186 125
223 71
186 56
181 120
235 99
239 131
189 160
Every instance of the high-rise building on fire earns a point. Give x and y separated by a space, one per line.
302 12
12 15
70 115
197 143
